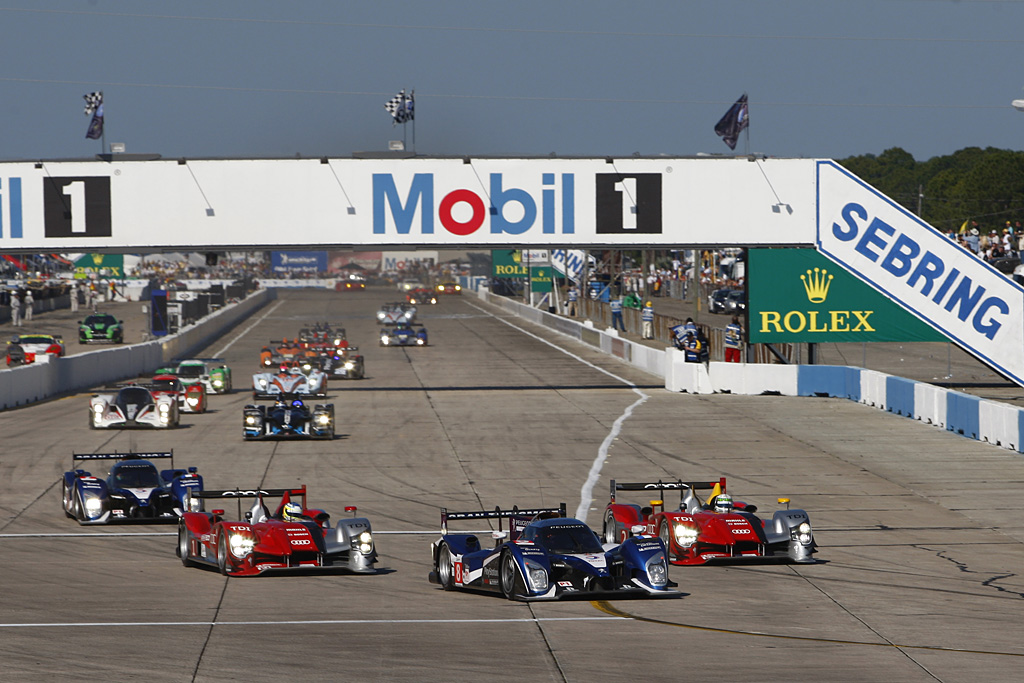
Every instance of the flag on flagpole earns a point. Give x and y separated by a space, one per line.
92 101
400 107
410 106
733 123
94 106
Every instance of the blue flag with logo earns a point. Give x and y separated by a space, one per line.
95 131
732 124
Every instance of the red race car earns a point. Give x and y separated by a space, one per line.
421 296
191 397
294 537
716 530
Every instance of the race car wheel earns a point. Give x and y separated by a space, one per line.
445 571
508 576
66 500
666 537
184 546
611 532
222 553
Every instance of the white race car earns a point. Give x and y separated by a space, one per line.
133 406
290 379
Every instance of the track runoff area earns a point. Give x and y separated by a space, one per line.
919 530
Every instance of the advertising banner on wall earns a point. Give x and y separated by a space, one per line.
923 270
100 265
399 261
508 263
367 260
288 263
229 204
798 295
540 279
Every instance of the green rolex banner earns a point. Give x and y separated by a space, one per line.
540 279
507 263
798 295
103 265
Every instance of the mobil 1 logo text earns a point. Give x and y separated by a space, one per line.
77 206
628 203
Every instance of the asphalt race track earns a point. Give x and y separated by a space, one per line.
920 531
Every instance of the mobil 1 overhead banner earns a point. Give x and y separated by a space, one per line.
798 295
921 269
396 204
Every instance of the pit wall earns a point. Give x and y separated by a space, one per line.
40 381
998 423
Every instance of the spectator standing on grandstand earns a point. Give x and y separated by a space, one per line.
573 295
29 303
616 306
647 320
733 340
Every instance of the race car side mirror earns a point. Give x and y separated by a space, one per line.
637 529
218 513
499 535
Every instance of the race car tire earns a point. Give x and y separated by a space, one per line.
66 501
183 548
666 537
222 553
508 576
92 422
445 571
611 532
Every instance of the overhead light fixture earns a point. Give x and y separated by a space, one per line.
324 160
181 161
467 160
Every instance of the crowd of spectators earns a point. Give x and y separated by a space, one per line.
991 244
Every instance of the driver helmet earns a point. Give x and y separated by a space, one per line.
291 512
649 304
723 503
284 368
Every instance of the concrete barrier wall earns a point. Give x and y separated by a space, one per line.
998 423
32 383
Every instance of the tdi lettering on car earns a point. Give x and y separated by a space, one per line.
546 204
920 268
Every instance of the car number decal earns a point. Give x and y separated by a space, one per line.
458 572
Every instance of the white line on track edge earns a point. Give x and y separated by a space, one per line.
246 330
136 624
587 490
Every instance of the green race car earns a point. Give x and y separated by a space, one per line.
100 327
210 372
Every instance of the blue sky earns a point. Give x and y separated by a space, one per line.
232 78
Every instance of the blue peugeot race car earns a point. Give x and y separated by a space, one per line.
133 490
547 556
403 334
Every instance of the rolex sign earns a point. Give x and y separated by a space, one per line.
798 295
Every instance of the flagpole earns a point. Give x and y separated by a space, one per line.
103 135
414 120
746 138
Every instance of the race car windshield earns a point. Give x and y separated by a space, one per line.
100 320
133 396
33 339
166 385
190 370
136 478
568 540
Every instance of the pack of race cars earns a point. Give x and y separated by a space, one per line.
535 554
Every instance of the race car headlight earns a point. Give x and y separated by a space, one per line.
803 533
440 288
194 504
433 300
419 342
307 367
251 419
685 535
537 576
262 382
365 543
98 409
349 365
218 383
657 572
384 340
240 545
458 288
324 418
192 401
93 507
165 408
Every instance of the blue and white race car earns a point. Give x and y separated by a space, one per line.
547 556
133 489
403 334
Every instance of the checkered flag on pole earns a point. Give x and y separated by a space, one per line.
93 101
399 108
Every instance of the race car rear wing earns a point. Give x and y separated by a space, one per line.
244 494
662 486
117 455
499 514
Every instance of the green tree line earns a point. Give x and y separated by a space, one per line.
983 186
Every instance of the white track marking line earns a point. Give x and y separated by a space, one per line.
587 490
136 624
246 330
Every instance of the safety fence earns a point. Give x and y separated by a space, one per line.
40 381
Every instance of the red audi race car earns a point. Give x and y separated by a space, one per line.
292 538
191 397
715 530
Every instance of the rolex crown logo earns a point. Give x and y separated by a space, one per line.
97 259
816 284
517 256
